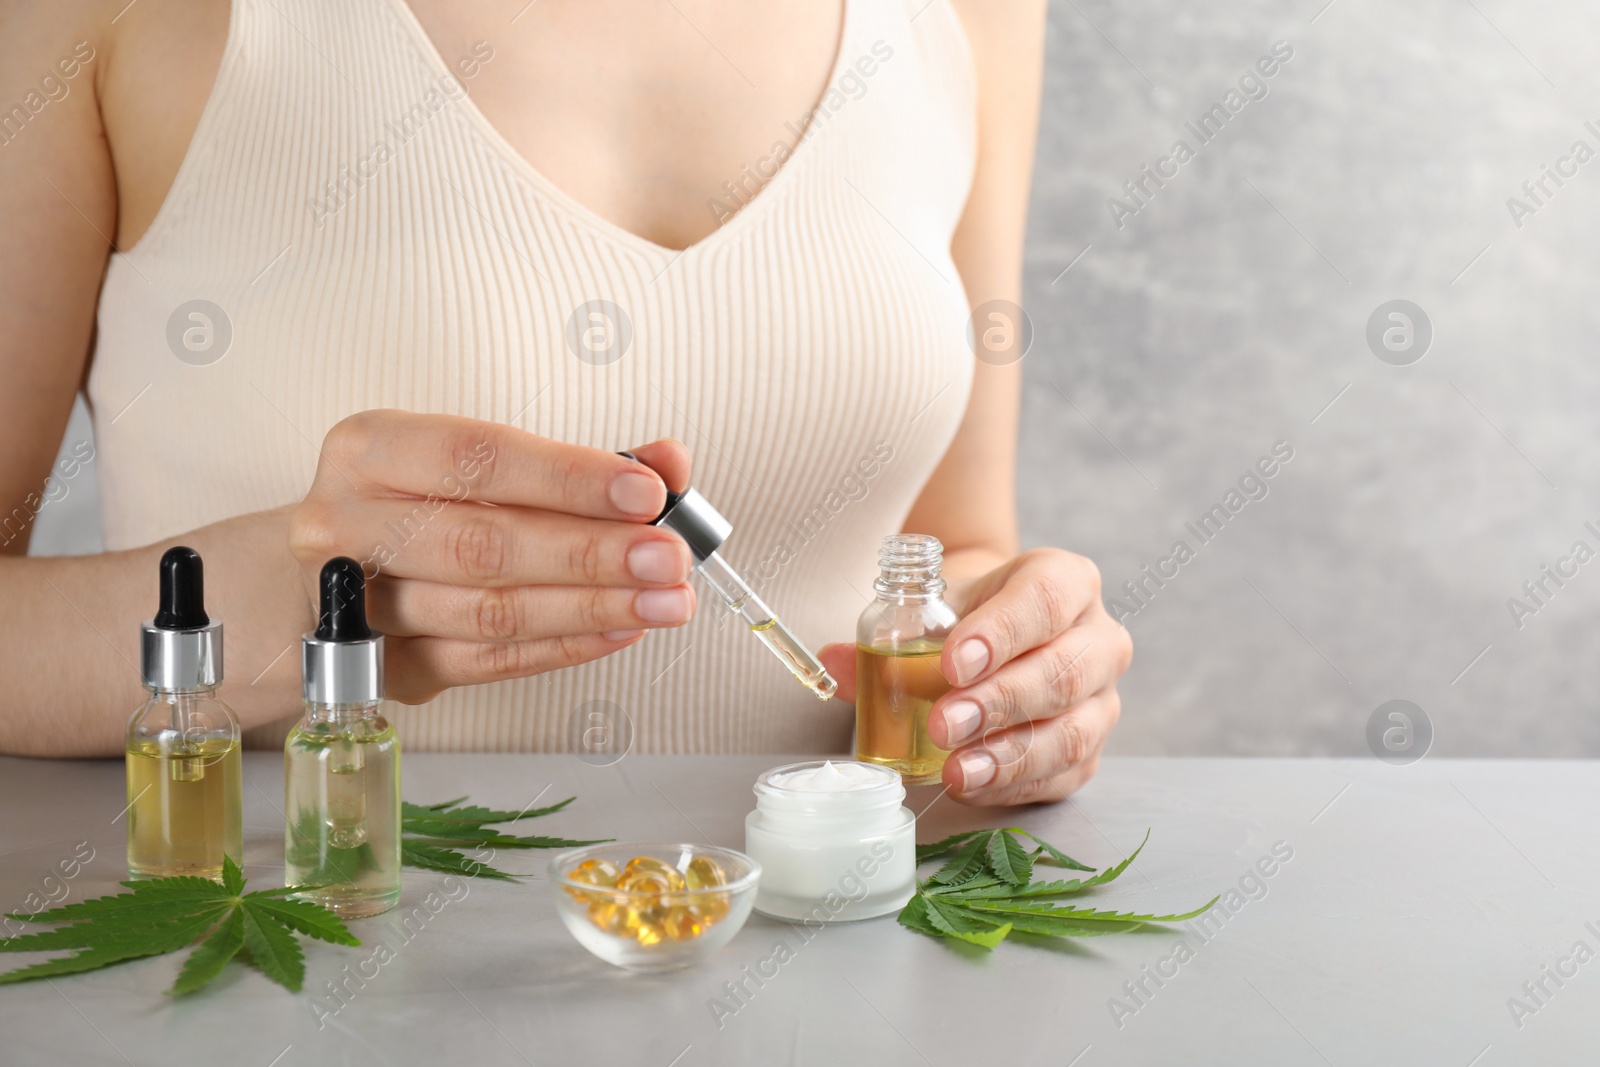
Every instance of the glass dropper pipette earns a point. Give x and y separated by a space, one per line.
691 516
743 602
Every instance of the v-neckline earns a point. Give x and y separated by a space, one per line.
582 212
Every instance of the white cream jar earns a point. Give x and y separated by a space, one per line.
834 841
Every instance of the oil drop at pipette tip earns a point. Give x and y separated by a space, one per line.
783 644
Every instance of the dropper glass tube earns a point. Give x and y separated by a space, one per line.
691 516
778 638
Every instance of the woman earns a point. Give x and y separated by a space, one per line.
397 282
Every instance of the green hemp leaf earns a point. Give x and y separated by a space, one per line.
161 915
985 892
432 837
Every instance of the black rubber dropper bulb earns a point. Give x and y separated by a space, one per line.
344 602
183 600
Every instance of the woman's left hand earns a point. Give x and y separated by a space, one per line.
1034 663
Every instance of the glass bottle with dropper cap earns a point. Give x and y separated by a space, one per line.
899 640
691 517
185 786
342 762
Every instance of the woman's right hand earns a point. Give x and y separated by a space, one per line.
490 552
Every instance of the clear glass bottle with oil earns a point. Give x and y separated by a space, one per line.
899 640
185 781
342 761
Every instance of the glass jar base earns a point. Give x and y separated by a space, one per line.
805 909
353 904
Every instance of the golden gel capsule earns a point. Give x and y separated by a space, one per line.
596 872
683 924
645 882
647 906
602 874
703 873
671 877
713 906
611 917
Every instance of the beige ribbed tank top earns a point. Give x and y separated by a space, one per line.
373 242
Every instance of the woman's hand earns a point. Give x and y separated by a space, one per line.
492 553
1034 663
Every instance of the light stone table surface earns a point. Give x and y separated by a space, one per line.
1414 905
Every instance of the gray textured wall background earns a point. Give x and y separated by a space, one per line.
1229 312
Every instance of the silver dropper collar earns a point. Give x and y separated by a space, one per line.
341 672
181 659
691 517
341 661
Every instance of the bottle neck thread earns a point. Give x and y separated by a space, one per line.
163 692
340 713
909 566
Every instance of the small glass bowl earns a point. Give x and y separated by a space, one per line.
651 929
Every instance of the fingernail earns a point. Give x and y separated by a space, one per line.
667 606
658 561
621 635
970 658
977 770
636 494
961 720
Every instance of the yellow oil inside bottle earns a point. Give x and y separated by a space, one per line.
894 690
184 803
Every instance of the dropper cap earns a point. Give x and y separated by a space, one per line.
181 648
341 661
691 517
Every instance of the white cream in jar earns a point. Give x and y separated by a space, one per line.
834 841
